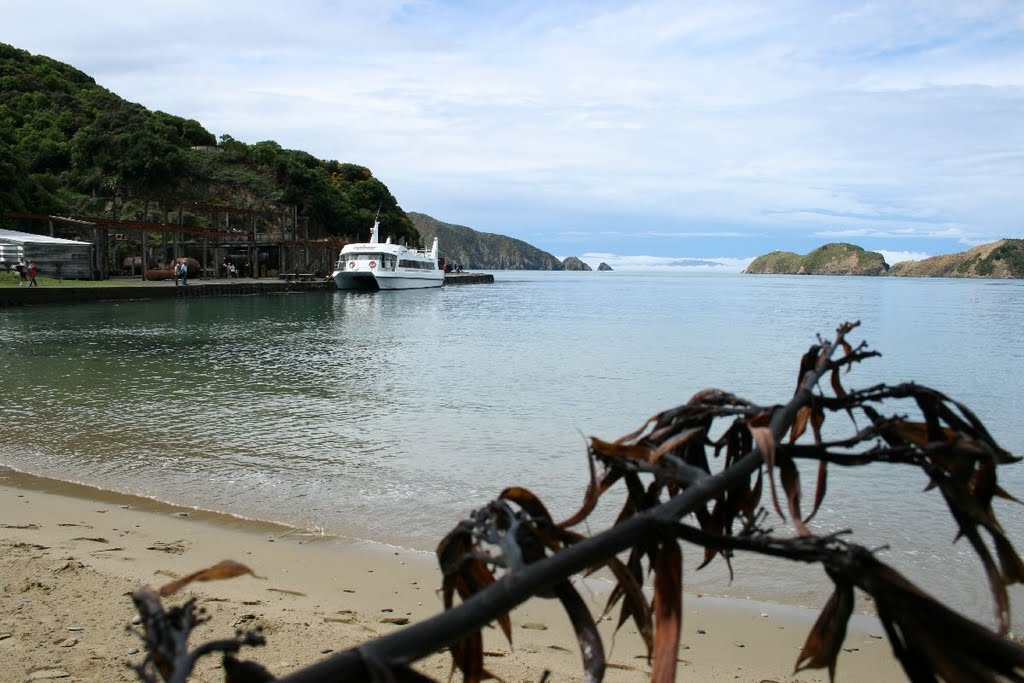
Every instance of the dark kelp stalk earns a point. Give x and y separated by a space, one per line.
511 549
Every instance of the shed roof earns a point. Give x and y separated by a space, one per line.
16 237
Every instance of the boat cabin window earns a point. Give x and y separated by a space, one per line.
381 261
419 265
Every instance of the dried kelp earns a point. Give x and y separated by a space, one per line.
683 486
165 633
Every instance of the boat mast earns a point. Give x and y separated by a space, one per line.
375 233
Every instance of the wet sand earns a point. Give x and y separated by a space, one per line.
70 555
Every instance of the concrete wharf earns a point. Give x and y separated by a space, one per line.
137 290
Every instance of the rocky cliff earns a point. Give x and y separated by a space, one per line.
1002 259
573 263
837 258
481 250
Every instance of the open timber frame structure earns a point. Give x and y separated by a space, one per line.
271 241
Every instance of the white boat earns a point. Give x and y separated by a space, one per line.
383 265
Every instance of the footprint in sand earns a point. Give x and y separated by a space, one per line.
173 547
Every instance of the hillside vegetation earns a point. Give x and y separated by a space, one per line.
482 250
837 258
1002 259
67 145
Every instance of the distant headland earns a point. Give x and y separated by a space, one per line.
1001 259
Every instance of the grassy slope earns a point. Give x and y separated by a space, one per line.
1001 259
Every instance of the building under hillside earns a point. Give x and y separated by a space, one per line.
54 256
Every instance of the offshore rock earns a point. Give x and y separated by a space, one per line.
573 263
604 267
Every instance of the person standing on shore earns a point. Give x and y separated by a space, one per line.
177 273
20 267
32 271
184 272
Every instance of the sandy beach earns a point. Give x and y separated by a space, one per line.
71 555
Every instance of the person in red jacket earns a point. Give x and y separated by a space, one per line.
32 270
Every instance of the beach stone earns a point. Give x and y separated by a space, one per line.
401 621
69 642
75 628
136 620
47 674
4 636
133 650
701 632
534 626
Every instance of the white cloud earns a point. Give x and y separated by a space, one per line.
892 257
786 120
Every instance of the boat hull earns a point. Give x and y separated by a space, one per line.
368 281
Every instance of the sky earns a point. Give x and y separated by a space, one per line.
644 134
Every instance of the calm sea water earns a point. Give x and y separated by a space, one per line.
389 416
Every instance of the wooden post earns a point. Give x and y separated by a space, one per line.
250 249
145 261
181 235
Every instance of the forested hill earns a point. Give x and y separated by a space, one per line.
482 250
68 144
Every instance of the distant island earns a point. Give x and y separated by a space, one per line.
837 258
1002 259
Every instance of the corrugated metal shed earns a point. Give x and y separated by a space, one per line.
54 256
